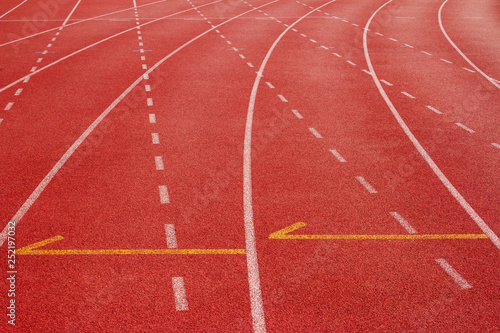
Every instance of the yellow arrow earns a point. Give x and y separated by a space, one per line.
284 234
32 250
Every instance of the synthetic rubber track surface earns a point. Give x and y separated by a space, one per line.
249 166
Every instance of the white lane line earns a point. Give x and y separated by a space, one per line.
159 163
338 156
378 33
367 72
8 106
249 64
303 35
315 133
495 145
350 62
468 69
312 40
367 185
145 76
147 87
163 191
496 84
337 55
150 102
297 114
283 99
152 118
394 40
403 223
453 273
433 109
18 92
447 61
144 66
170 235
26 80
12 9
386 82
408 95
444 180
39 60
270 85
156 138
181 303
70 14
465 127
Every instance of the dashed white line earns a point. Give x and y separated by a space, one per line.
338 156
453 273
53 39
152 118
297 114
228 42
18 92
249 64
465 127
147 87
241 56
170 235
149 101
394 40
33 69
315 133
424 52
9 106
283 99
354 24
159 163
39 60
350 62
403 223
312 40
294 30
408 95
447 61
303 35
367 185
433 109
181 303
378 33
26 80
164 199
386 82
324 47
50 45
367 72
222 36
269 84
468 69
337 55
495 145
144 66
141 44
407 45
156 138
145 76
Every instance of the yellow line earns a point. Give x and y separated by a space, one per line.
434 236
133 251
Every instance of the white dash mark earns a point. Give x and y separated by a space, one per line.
324 47
312 40
1 120
407 45
408 95
164 199
152 118
367 72
33 69
338 156
386 82
181 303
315 133
159 163
145 76
139 37
26 80
350 62
58 33
53 39
367 185
354 24
241 56
18 92
144 66
234 49
495 145
294 30
150 101
249 64
170 234
141 44
394 40
426 53
147 87
228 42
403 223
222 36
468 69
378 33
465 127
447 61
217 31
283 99
8 106
156 138
453 273
269 84
50 45
337 55
303 35
297 114
39 60
433 109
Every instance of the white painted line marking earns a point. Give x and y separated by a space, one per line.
141 44
150 101
447 61
145 76
234 49
156 138
181 303
312 40
45 52
228 42
337 55
295 30
407 45
453 273
217 31
367 72
144 66
495 145
147 87
378 33
159 163
468 69
465 127
170 234
283 99
53 39
394 40
209 22
354 24
367 185
152 118
164 199
26 80
403 223
297 114
50 45
33 69
386 82
278 21
338 156
315 133
138 32
303 35
141 50
13 9
249 64
270 85
222 36
39 60
345 21
241 56
18 92
58 33
350 62
8 106
433 109
408 95
426 53
324 47
1 120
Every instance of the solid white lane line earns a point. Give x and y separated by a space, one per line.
159 163
426 53
8 106
181 303
449 186
70 14
408 95
491 80
155 138
297 114
147 87
465 127
152 118
270 85
150 101
367 185
350 62
315 133
386 82
249 64
338 156
468 69
433 109
18 92
283 99
403 223
453 273
495 145
12 9
447 61
170 235
163 191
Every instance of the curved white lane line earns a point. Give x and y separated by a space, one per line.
77 22
492 81
449 186
71 13
97 43
55 169
259 324
13 9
